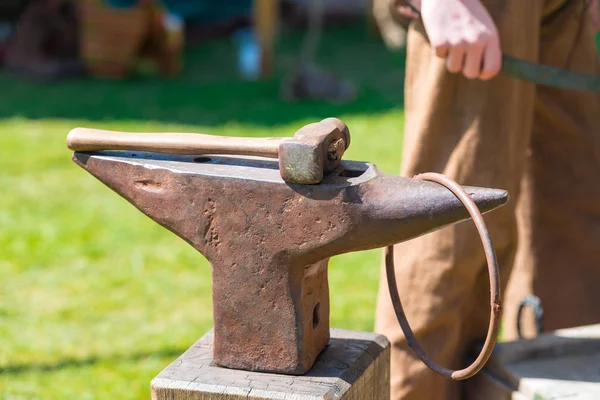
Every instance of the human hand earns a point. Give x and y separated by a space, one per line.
463 32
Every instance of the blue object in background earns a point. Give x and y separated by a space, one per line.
6 28
121 3
201 11
248 53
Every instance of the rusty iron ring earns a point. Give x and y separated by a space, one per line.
495 300
536 306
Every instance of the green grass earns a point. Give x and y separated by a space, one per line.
95 298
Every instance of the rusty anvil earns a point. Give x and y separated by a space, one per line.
269 241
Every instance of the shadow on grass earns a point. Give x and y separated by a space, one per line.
209 91
86 362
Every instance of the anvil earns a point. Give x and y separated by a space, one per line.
269 242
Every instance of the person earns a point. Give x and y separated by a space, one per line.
482 128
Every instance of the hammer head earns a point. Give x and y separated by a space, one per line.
315 150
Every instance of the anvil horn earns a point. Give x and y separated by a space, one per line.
269 242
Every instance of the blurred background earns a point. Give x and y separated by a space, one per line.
95 298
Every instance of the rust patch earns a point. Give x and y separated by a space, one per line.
269 242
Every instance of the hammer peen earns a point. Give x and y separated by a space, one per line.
315 150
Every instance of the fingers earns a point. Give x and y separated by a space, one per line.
492 62
456 58
477 59
473 62
442 50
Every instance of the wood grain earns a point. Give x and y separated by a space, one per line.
355 366
83 139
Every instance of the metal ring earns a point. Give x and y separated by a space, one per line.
536 305
495 300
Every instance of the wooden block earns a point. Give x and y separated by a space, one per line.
354 366
557 365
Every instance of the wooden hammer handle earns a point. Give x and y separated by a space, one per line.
83 139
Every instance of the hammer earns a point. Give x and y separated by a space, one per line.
315 150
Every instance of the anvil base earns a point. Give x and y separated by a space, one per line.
355 365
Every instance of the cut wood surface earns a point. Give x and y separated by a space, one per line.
355 366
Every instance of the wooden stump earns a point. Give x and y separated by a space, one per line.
354 366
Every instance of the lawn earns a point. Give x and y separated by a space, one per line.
95 298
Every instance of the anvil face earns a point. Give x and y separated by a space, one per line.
269 242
